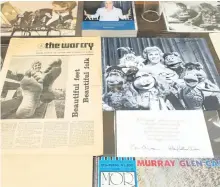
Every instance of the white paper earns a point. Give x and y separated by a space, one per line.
162 134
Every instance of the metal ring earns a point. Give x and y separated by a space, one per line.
147 11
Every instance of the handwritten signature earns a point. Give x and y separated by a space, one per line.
143 147
182 148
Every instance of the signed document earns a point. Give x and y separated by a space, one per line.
164 134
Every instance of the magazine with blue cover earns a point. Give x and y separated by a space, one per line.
109 15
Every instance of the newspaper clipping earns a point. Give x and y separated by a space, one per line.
51 96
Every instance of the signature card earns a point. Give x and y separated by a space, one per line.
162 134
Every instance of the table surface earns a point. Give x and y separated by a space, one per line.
143 25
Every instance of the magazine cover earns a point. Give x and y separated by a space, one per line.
109 15
151 172
51 18
47 87
159 74
197 16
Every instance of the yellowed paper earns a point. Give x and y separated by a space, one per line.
215 37
45 171
51 97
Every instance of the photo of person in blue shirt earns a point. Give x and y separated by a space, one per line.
108 13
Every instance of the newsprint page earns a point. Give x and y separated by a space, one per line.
51 97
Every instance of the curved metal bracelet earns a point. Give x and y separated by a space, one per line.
147 11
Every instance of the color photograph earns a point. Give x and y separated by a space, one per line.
108 10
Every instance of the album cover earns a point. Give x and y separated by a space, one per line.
48 84
157 172
159 74
109 15
192 16
52 18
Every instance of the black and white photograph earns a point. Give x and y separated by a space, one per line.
189 16
52 18
34 88
108 11
159 74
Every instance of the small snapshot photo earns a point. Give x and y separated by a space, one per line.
159 74
34 88
192 16
34 18
108 11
